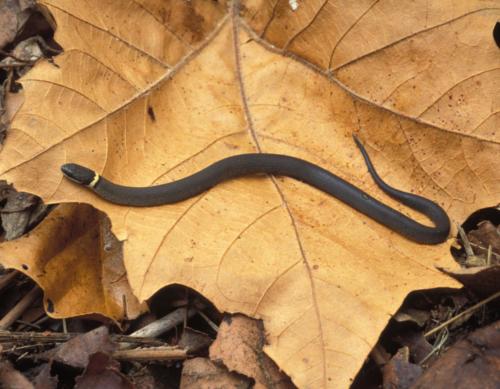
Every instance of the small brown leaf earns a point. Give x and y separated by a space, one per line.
13 16
76 351
482 280
44 380
16 214
399 373
201 373
102 372
239 346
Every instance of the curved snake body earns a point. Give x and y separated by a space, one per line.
280 165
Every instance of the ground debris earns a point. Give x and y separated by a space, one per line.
473 362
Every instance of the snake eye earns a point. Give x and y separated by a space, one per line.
77 173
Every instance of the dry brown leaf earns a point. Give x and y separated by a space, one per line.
239 347
482 280
399 372
150 91
472 362
77 351
102 372
13 16
76 263
201 373
11 378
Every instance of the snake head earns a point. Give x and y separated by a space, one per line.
79 174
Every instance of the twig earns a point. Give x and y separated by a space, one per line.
484 248
8 82
7 54
22 356
166 323
438 345
41 320
14 65
19 308
165 353
209 322
461 314
15 348
59 337
467 247
162 325
28 324
7 278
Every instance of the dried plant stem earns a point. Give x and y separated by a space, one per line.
165 353
7 278
162 325
19 308
166 323
59 337
466 244
209 322
461 314
7 54
12 65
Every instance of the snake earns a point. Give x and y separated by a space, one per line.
278 165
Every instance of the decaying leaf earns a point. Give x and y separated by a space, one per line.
11 378
470 363
201 373
482 280
103 372
13 16
76 352
400 372
239 347
150 91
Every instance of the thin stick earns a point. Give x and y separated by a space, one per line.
19 308
7 54
166 323
484 248
162 325
13 65
209 322
468 249
59 337
28 324
7 278
165 353
461 314
15 348
442 338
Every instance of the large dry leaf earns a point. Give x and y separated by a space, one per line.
150 91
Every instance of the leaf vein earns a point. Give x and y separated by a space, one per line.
231 244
